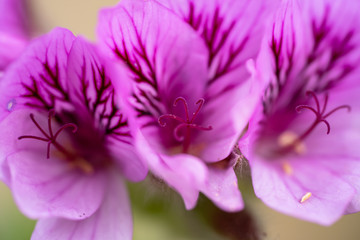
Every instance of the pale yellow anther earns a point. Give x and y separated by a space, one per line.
287 168
305 197
288 139
235 183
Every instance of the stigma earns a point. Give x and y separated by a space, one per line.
182 130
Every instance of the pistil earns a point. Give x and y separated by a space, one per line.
51 137
187 124
320 115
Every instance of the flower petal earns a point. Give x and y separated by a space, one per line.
222 188
14 18
144 35
10 48
46 187
232 32
93 94
302 188
38 78
158 73
111 221
228 120
185 173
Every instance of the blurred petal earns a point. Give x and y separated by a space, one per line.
185 173
307 191
222 188
14 18
50 188
111 221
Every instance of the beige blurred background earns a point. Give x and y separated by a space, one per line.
80 16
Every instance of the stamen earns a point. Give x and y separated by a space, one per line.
186 124
50 138
305 197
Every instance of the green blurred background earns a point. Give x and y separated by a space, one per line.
159 212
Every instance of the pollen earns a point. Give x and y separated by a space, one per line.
290 139
287 168
305 197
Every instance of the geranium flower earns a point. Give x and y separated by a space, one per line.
186 77
64 143
14 30
302 141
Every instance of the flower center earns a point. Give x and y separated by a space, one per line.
320 117
184 124
51 137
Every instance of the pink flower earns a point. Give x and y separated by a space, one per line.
14 30
303 140
64 143
186 61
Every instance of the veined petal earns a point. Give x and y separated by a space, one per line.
111 221
159 74
232 32
307 191
38 78
325 49
145 35
93 94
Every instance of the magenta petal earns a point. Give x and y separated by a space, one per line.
144 35
232 31
93 95
330 195
42 64
14 18
51 188
349 171
128 160
222 188
185 173
228 120
10 48
111 221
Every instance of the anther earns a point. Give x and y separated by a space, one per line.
305 197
